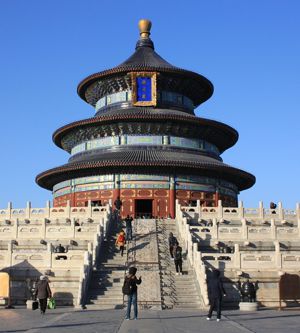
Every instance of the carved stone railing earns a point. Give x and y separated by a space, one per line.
237 213
52 213
193 255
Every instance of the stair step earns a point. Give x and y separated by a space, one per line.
111 301
105 306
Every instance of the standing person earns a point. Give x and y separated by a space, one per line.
120 241
131 281
128 222
177 253
172 242
118 204
42 292
216 291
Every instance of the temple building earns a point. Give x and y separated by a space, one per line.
145 144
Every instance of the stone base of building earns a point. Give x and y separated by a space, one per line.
145 202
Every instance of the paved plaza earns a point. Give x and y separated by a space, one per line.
106 321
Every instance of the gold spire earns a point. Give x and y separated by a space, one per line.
145 27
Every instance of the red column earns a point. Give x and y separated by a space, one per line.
172 203
216 198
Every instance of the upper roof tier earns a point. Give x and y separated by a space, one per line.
145 59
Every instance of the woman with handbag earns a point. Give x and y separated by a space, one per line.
42 292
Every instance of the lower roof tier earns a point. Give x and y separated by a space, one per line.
147 161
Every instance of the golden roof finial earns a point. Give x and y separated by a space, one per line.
145 27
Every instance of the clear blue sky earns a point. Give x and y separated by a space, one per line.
249 49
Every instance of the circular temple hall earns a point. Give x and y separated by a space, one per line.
145 144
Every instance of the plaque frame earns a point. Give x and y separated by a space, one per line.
153 76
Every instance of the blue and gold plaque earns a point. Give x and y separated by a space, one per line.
144 88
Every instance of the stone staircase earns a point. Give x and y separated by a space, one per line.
178 291
105 289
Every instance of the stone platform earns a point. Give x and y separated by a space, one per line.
108 321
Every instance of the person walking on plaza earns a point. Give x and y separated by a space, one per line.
172 242
130 289
128 222
215 292
120 241
177 253
42 292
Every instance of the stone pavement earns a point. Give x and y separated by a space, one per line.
173 321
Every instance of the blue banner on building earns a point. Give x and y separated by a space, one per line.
144 89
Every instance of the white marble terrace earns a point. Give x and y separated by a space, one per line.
28 237
264 244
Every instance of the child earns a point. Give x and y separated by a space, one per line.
120 241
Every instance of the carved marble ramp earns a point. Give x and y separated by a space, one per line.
178 291
105 289
143 254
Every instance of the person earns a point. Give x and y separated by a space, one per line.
42 292
60 249
132 297
128 222
118 203
120 241
216 291
172 242
177 253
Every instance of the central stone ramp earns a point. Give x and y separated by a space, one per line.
143 254
105 289
178 291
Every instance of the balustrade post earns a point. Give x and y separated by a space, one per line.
220 210
16 228
73 227
28 210
280 211
68 209
277 254
89 209
298 212
273 230
9 210
47 209
244 229
195 251
49 252
261 211
214 229
237 256
199 210
241 210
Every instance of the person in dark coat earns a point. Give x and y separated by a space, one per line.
128 222
177 253
42 292
132 297
215 292
172 243
118 203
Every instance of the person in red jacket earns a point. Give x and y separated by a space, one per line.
120 241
